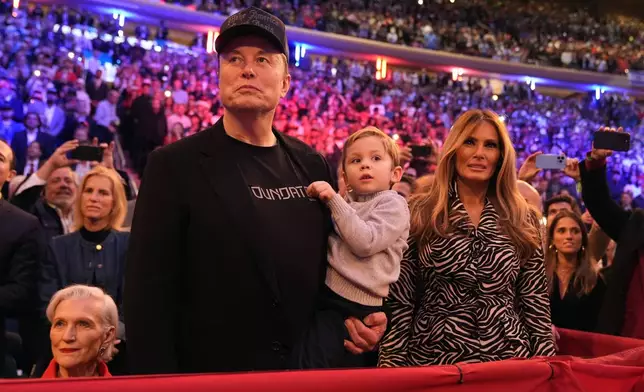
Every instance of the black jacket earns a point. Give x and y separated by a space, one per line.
626 228
31 201
201 292
22 248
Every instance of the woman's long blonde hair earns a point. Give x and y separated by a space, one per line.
430 211
119 209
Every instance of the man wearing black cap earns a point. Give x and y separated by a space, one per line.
223 275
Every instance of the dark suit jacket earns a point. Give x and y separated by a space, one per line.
626 228
22 249
19 146
201 294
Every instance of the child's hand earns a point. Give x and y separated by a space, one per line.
322 190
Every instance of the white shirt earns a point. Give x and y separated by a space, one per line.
49 113
32 136
31 167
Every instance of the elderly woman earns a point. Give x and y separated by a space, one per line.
83 329
472 285
94 253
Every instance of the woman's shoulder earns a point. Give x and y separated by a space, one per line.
66 239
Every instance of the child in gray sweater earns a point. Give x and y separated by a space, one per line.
364 252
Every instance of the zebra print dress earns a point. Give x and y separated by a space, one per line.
468 298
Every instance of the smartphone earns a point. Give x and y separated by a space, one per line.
421 151
87 153
614 141
551 161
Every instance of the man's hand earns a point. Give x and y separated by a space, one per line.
587 218
599 154
321 190
365 335
108 154
59 158
572 169
529 170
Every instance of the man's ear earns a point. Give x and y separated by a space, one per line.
286 85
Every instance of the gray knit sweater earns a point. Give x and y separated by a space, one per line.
367 246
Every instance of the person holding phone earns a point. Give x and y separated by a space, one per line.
622 311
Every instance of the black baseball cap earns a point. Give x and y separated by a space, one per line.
253 21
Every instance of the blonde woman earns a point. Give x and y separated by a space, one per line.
472 286
94 254
84 324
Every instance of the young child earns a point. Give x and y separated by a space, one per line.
364 252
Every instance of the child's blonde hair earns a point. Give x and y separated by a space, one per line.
391 148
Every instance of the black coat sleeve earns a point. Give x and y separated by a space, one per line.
596 194
20 283
27 199
152 270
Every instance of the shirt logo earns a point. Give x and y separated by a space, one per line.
282 193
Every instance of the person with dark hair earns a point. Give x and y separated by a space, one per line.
22 248
622 311
405 187
557 204
243 193
576 286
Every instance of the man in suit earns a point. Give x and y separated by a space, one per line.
21 250
223 274
32 133
8 126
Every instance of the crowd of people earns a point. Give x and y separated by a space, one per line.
414 132
531 31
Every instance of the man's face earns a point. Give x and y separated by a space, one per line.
554 208
31 121
33 151
6 156
253 75
60 189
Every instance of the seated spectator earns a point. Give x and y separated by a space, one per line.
405 187
576 287
49 194
34 160
33 132
84 325
8 127
176 133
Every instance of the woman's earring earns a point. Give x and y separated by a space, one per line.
583 249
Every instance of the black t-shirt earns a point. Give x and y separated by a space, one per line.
293 223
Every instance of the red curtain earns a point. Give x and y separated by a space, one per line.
616 365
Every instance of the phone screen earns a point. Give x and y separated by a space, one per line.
87 153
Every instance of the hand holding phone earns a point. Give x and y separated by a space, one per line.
87 153
606 140
551 161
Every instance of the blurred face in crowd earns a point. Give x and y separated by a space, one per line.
6 156
81 134
97 199
477 157
7 114
554 208
77 334
253 75
567 236
32 121
156 105
33 151
113 97
626 199
403 189
61 188
368 167
180 109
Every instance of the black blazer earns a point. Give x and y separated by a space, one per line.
22 248
200 293
626 228
19 146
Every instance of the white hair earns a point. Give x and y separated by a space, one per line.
109 318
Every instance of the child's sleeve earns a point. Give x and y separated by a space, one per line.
387 222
